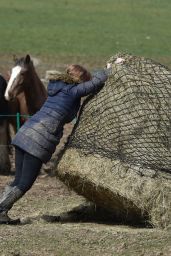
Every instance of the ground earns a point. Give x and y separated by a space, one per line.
49 196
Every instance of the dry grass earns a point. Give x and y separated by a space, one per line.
49 196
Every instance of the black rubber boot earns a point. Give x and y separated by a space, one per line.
7 199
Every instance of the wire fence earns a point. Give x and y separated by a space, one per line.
18 118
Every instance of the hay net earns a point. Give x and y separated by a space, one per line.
130 118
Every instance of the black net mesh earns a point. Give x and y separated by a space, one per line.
130 118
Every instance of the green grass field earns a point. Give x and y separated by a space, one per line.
87 29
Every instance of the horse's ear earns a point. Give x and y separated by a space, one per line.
27 59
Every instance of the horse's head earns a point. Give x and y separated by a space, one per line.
18 78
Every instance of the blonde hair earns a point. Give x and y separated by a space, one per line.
78 73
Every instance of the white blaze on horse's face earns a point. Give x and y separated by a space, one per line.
15 71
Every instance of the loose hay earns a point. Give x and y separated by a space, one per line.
118 187
119 155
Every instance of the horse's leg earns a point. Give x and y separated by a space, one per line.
13 108
5 165
13 126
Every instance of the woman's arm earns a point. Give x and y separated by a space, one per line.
83 89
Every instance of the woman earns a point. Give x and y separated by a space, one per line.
37 139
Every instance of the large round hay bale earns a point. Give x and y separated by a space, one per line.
119 155
119 188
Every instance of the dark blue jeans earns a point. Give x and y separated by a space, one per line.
27 168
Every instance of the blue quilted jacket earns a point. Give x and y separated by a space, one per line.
43 131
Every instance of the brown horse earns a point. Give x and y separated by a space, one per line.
25 91
24 94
